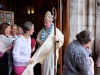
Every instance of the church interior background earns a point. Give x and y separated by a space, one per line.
73 16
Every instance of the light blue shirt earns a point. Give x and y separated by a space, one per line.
21 51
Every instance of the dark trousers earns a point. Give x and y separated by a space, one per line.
4 64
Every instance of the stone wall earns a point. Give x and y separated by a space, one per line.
81 16
85 14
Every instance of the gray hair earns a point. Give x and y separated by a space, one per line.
27 26
84 36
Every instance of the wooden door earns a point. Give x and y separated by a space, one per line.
63 25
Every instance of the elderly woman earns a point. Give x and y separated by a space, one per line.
14 33
43 35
5 49
76 58
20 30
22 49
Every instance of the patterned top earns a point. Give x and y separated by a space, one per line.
76 60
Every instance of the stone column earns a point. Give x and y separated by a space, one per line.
80 15
84 14
91 15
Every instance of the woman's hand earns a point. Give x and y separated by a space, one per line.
31 61
33 49
92 64
9 47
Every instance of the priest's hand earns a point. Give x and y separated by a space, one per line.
56 38
40 42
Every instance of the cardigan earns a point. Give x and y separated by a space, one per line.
76 60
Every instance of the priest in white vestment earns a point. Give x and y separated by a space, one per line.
45 52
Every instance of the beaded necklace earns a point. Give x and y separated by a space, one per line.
44 35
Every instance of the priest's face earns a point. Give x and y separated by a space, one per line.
47 23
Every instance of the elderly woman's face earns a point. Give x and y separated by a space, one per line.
30 32
14 30
47 23
88 44
8 30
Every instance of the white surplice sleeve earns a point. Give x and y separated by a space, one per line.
61 38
